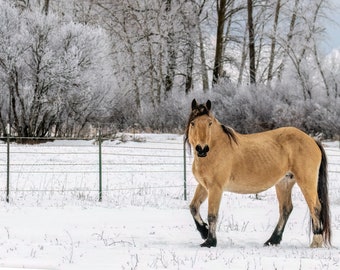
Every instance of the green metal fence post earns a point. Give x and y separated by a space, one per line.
100 165
8 170
185 170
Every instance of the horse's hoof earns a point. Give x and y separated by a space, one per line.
270 244
317 241
210 242
275 240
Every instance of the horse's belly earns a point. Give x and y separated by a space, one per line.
243 189
248 186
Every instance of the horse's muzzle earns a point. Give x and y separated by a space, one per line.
202 152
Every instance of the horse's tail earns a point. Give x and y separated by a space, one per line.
323 197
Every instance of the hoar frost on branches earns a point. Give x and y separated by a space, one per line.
69 63
53 74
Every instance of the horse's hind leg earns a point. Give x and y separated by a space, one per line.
311 196
200 196
284 196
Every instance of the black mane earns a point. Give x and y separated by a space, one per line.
230 132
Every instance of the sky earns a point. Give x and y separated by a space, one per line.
332 39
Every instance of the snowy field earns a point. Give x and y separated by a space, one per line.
54 219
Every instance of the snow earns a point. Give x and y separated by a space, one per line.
143 221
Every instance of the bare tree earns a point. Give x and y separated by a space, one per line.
287 42
46 6
273 41
244 54
172 51
251 46
203 64
298 54
221 6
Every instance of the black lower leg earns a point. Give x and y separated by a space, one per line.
211 240
203 229
275 239
316 225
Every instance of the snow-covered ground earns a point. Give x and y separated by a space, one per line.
54 219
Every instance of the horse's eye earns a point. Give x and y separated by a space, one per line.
210 123
192 123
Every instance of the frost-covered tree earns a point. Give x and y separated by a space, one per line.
57 74
154 44
13 46
66 63
284 40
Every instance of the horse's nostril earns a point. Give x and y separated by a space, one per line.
202 152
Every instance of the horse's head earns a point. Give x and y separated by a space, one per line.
199 127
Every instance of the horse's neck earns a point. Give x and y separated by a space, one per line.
219 139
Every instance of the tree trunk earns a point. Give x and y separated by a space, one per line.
171 52
46 7
3 130
298 58
321 70
243 58
252 67
260 44
189 69
218 62
204 73
229 21
289 38
273 41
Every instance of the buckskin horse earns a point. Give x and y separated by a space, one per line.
225 160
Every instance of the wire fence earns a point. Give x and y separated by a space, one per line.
96 166
102 167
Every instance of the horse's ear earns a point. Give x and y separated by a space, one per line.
194 104
208 104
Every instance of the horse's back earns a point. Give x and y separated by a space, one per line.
287 138
298 143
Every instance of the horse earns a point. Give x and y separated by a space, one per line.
225 160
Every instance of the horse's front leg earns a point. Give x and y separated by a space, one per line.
200 196
214 200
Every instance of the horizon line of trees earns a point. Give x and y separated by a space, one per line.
67 65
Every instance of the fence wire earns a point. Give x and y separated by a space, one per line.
78 165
